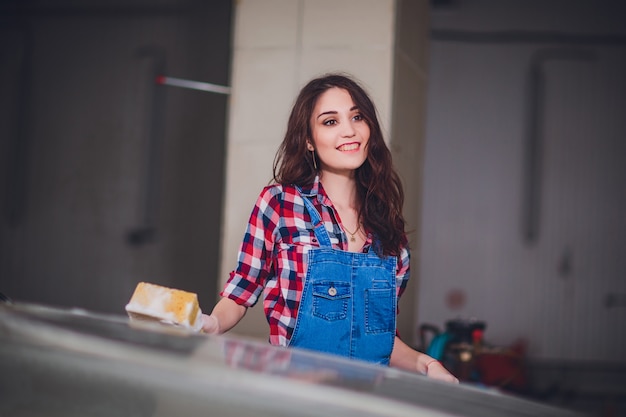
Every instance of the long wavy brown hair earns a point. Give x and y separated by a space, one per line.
379 190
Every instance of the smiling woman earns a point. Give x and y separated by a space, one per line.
333 177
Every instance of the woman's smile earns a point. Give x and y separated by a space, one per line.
346 147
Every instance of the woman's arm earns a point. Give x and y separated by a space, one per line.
404 357
225 315
254 262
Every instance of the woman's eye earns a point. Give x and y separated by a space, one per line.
330 122
358 117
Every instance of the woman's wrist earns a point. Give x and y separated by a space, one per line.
210 324
432 362
423 363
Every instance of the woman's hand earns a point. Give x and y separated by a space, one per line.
210 324
405 357
435 370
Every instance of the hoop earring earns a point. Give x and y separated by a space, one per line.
314 162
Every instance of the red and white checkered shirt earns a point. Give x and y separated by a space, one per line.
273 255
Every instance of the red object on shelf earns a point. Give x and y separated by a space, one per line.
505 369
477 336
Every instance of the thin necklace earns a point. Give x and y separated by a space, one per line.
352 238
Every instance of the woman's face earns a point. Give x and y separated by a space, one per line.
340 134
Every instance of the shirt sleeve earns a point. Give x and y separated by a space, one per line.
254 261
402 276
403 271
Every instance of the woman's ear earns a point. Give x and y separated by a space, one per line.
309 146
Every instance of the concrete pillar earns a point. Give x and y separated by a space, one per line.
278 46
408 128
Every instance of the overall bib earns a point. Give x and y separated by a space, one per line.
348 304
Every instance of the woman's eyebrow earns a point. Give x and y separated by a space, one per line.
326 112
353 108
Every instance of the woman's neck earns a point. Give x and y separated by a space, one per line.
341 190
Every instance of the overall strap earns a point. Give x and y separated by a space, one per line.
320 231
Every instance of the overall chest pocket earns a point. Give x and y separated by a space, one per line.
330 300
380 311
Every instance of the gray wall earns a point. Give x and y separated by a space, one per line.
92 150
563 291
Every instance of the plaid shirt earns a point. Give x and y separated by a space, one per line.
273 255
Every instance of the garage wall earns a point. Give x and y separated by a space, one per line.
108 179
558 282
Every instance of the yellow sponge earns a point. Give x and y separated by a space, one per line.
168 305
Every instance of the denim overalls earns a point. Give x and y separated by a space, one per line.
348 304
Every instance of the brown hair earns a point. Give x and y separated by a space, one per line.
378 186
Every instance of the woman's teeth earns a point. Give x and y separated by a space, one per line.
349 147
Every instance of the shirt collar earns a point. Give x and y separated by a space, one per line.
316 190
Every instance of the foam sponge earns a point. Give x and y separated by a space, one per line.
167 305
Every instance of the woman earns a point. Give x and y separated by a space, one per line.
326 244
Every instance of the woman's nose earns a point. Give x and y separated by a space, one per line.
347 130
